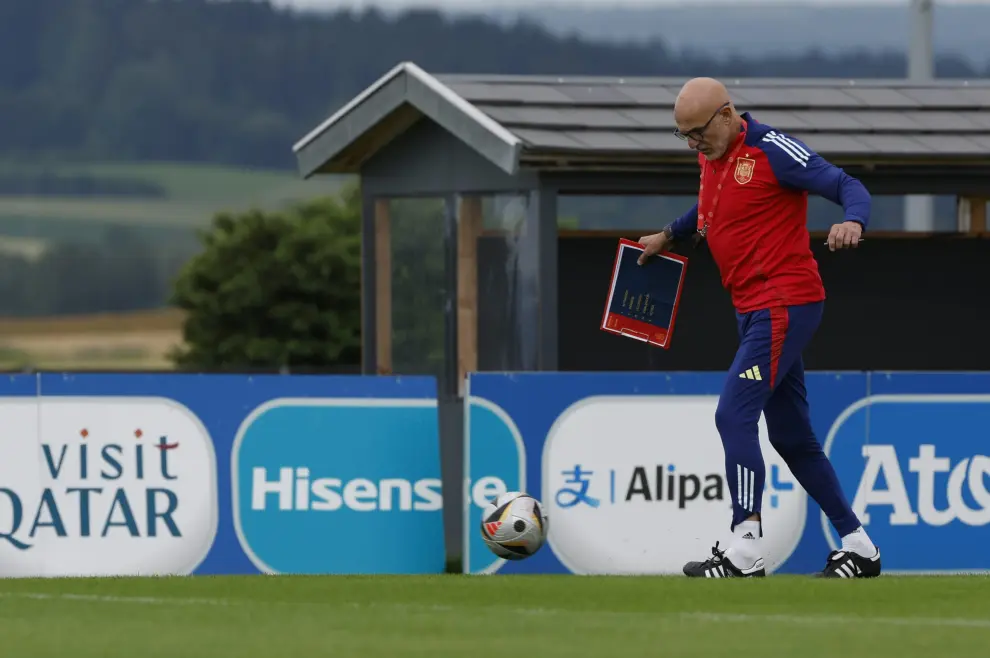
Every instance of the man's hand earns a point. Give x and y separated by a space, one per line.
654 245
844 236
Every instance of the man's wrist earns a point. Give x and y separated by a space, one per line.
668 230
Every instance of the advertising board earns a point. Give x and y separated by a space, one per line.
631 470
175 474
915 461
178 474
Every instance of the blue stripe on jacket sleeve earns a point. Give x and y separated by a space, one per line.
795 165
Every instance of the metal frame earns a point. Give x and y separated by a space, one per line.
539 247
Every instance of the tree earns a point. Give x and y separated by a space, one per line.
237 82
275 289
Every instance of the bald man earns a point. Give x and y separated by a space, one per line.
752 210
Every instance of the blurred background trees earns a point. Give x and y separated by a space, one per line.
130 126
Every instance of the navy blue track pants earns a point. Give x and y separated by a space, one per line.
767 376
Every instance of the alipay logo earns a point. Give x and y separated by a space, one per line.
625 496
104 486
920 483
340 486
660 484
495 465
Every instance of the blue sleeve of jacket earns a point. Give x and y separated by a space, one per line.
797 166
686 225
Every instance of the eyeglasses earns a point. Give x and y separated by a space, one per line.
698 134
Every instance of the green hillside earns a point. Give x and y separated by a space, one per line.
190 194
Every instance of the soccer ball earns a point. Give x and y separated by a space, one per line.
514 526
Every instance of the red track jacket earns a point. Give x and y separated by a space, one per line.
753 209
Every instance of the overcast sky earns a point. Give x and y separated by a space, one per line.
477 4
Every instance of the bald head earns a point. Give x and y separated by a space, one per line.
700 97
704 113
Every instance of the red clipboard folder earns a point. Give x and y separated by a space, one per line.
643 299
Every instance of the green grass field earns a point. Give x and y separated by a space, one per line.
193 193
498 616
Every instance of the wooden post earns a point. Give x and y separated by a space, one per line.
383 286
971 215
468 229
978 216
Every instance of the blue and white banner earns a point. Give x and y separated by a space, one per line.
215 474
631 471
914 460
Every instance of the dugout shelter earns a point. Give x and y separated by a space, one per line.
497 153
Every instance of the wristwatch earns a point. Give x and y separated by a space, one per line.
668 231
